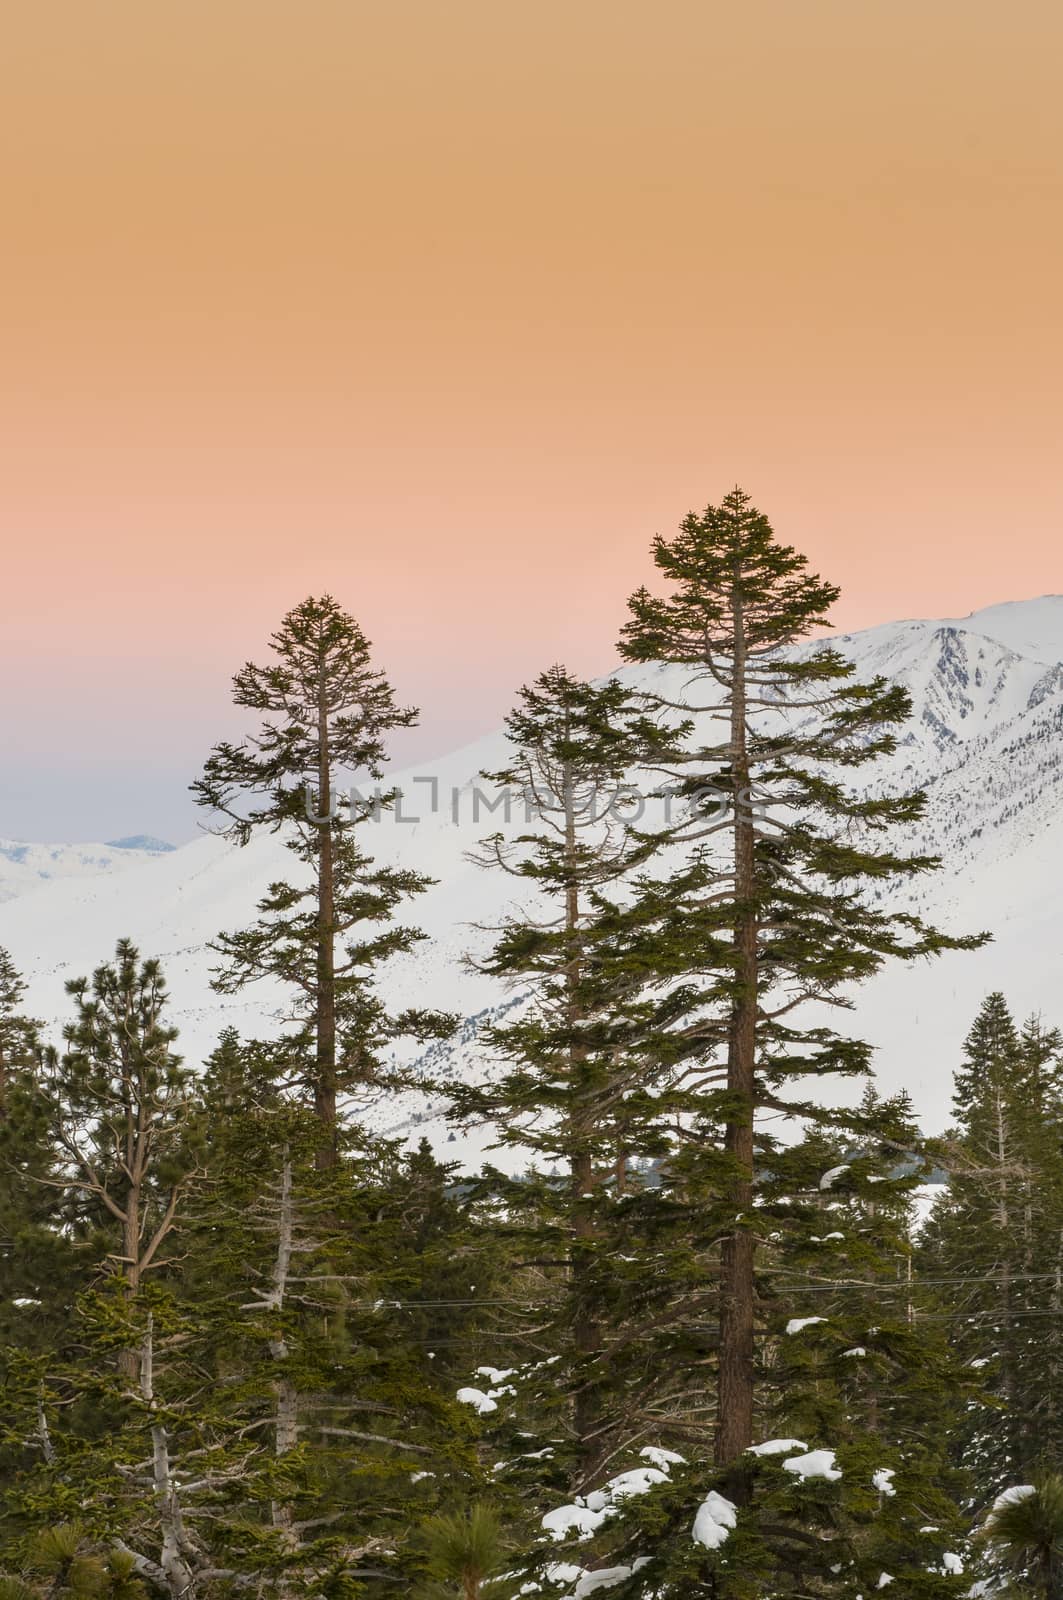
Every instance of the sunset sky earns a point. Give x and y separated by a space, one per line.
447 308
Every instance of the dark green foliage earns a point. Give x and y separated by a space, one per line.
18 1033
1024 1534
769 911
274 1369
116 1147
235 1320
756 906
817 844
577 1083
319 1295
846 1364
62 1563
464 1552
995 1242
41 1267
326 709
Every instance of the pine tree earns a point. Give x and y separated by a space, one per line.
117 1102
857 1395
18 1033
773 899
42 1259
463 1555
47 1255
855 1364
262 1409
325 937
317 1298
1024 1532
575 1086
61 1562
995 1243
1041 1052
325 708
95 1413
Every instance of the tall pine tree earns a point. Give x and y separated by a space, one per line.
773 897
572 1087
326 709
994 1244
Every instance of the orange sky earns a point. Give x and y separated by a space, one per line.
448 307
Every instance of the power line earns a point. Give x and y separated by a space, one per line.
787 1286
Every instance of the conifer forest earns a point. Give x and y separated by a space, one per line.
709 1312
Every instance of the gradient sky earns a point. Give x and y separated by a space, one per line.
447 308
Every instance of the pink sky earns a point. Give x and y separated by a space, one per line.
448 310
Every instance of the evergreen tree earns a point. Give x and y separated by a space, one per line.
18 1034
575 1085
771 911
61 1562
1024 1533
42 1259
701 1346
325 707
325 936
256 1404
87 1429
321 1293
994 1243
117 1101
857 1396
464 1555
46 1254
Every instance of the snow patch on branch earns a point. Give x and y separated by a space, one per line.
1012 1497
815 1464
484 1403
831 1175
715 1518
796 1324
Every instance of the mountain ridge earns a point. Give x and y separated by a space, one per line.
985 741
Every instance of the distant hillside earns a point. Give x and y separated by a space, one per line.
985 740
26 867
141 841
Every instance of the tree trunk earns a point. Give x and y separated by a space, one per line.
734 1421
176 1550
325 1019
586 1333
1057 1310
1007 1364
286 1423
129 1361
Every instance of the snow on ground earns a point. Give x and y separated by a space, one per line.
25 867
985 739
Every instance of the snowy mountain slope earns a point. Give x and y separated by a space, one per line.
1029 627
985 739
25 867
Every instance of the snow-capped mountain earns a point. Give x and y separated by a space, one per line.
25 867
985 740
